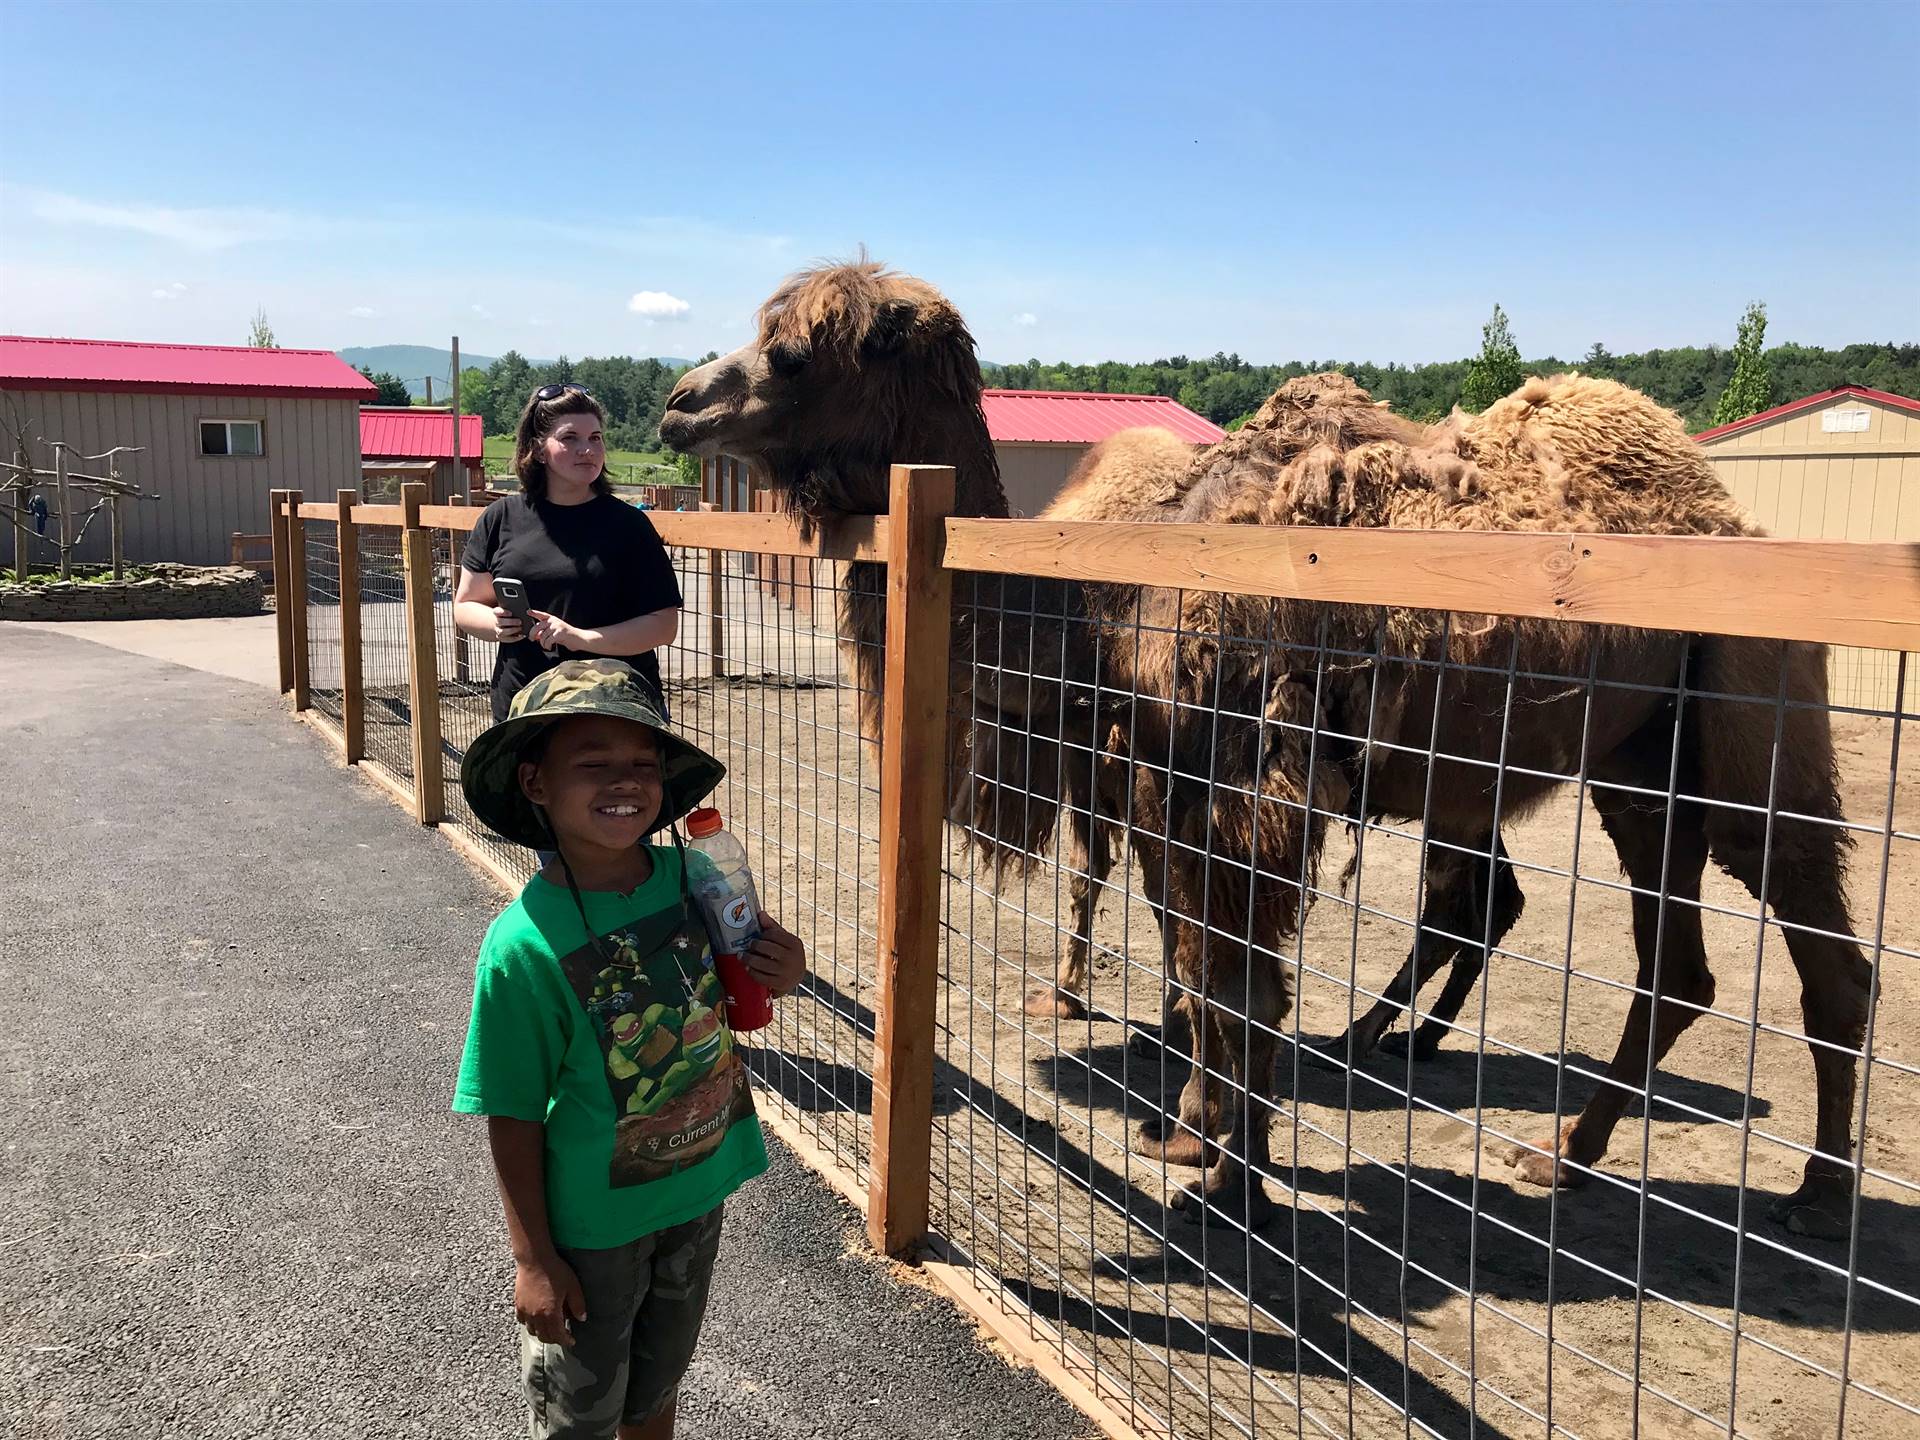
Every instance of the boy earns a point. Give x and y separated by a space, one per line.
617 1111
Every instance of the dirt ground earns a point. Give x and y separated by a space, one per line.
1607 1311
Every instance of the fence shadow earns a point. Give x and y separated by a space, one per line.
1453 1080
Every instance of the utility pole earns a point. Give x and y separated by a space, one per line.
459 470
429 389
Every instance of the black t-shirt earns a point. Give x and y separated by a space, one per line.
592 565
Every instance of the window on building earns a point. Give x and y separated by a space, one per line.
1845 422
233 437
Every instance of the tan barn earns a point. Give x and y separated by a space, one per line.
221 426
1040 435
1840 465
400 444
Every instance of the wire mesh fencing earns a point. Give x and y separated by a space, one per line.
383 642
324 674
463 668
764 676
1200 1118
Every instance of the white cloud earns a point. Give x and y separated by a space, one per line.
170 292
1026 319
363 312
658 305
483 312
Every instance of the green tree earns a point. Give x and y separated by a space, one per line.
1497 371
260 335
393 390
477 397
1750 390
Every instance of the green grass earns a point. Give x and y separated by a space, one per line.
500 461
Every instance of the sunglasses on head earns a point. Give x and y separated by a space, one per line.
554 392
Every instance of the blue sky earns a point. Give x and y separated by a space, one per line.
1116 181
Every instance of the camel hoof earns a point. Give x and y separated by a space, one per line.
1205 1205
1050 1004
1176 1145
1544 1170
1817 1210
1328 1054
1396 1045
1144 1042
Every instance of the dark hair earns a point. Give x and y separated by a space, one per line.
536 423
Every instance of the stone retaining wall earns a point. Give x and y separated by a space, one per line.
173 592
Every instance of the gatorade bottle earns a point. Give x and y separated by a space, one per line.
722 885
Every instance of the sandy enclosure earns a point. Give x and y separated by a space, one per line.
1408 1272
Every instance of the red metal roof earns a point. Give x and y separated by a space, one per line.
29 362
1067 417
398 433
1810 402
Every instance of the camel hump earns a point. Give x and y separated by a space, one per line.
1616 459
1132 475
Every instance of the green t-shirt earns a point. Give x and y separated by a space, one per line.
629 1064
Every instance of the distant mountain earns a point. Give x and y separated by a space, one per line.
413 363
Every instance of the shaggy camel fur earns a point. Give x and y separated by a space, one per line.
1270 713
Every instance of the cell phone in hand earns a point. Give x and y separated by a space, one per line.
512 596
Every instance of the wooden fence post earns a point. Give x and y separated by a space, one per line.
282 605
423 653
117 536
297 599
353 687
716 607
912 803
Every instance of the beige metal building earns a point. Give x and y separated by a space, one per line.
220 426
1840 465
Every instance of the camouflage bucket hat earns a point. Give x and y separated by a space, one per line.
490 773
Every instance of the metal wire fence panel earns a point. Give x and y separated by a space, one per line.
464 667
323 617
781 707
383 640
1278 1207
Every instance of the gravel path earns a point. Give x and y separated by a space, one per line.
235 983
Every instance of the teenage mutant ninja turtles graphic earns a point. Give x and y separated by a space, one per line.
659 1011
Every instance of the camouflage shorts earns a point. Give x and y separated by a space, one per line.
645 1302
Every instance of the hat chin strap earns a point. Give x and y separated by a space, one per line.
579 902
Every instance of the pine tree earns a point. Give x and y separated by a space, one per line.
260 337
1751 389
1496 372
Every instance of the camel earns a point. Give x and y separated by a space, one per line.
1335 711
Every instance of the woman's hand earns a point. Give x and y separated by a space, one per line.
506 626
552 633
546 1294
778 959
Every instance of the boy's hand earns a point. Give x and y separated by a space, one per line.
777 959
546 1294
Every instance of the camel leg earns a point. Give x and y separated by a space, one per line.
1638 827
1231 1188
1089 860
1182 1138
1470 959
1452 919
1806 887
1149 852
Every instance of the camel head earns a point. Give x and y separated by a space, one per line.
854 368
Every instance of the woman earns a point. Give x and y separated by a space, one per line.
597 578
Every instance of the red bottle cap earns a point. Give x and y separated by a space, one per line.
704 822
